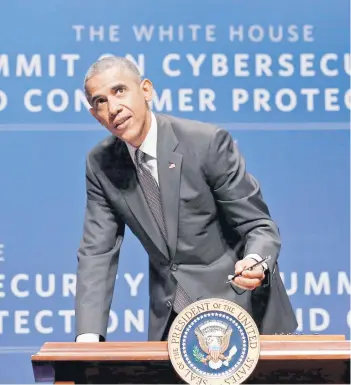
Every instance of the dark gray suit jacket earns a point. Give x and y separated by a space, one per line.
214 214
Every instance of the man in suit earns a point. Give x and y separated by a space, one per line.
182 188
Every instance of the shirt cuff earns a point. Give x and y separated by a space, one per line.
257 258
88 337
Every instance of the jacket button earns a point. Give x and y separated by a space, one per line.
169 304
174 267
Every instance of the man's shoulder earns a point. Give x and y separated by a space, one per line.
189 126
102 150
193 132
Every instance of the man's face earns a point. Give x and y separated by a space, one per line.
119 102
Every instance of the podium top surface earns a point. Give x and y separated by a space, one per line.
272 348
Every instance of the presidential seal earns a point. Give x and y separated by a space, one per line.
214 342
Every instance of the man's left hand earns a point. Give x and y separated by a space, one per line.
248 280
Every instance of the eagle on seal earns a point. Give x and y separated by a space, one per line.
214 344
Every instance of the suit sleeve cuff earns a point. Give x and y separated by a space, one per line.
257 258
88 337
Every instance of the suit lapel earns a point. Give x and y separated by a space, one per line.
124 175
169 167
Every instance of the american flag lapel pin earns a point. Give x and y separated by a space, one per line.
171 165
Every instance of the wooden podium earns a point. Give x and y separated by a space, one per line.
283 359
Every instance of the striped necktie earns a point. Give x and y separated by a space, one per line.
153 197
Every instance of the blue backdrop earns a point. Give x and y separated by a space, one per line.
274 73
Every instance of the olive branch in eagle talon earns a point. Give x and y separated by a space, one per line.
198 355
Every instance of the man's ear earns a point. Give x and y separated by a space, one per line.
147 88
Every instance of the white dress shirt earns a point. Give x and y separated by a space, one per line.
149 147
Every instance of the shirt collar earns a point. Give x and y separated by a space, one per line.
149 145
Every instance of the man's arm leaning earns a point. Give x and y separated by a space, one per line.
239 198
98 257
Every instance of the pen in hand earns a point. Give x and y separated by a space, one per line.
231 277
